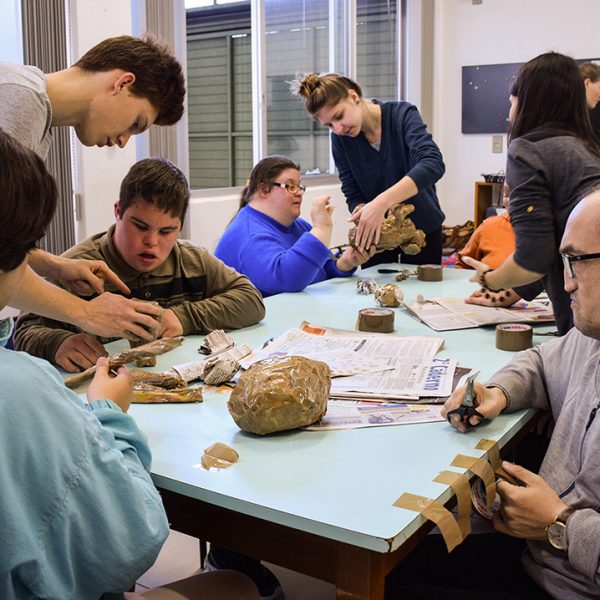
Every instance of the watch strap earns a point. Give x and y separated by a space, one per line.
564 515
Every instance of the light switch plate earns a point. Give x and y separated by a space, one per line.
497 144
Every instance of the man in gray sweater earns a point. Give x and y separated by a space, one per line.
557 510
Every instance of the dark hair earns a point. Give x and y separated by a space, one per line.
264 174
552 94
590 71
27 199
317 91
158 74
157 181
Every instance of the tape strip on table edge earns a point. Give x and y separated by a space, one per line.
482 468
435 512
514 337
462 490
493 452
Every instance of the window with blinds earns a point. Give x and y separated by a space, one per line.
297 41
219 96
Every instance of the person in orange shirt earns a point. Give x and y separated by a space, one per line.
492 242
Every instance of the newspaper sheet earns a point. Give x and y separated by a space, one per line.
391 366
342 414
445 314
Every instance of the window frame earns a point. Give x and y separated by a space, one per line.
343 12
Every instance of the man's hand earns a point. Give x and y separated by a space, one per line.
110 315
86 277
353 257
526 510
119 389
171 325
368 220
79 352
490 402
496 299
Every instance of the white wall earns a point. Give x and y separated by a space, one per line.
208 217
99 171
496 31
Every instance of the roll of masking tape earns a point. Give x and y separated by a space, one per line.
479 499
375 320
430 272
514 337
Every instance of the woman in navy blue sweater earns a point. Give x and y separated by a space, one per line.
384 155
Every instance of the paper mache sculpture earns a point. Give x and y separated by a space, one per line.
276 394
397 231
389 295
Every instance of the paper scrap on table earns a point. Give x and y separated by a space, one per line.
345 414
409 358
194 370
218 456
344 362
445 314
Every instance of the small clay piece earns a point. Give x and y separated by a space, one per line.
366 286
402 276
144 393
389 295
276 394
137 343
168 381
397 231
145 361
220 370
219 456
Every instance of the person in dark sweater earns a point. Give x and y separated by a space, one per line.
553 160
384 156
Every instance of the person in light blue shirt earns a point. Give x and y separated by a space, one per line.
79 514
268 241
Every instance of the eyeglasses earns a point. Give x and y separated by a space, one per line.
569 259
292 188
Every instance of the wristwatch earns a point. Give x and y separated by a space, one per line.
556 532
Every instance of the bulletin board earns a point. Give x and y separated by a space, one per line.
485 91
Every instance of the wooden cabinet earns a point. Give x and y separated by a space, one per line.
486 195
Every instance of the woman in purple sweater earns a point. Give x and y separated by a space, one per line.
268 241
384 156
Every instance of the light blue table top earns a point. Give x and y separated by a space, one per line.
337 484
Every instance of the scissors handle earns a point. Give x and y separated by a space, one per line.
465 413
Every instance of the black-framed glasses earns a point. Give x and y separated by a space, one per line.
569 259
292 188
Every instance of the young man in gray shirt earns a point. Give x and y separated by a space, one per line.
119 88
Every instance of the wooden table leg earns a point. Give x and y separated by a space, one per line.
360 575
